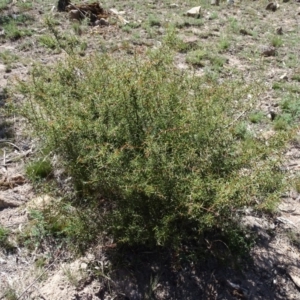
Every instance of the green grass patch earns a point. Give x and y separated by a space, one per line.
4 241
202 58
256 117
39 169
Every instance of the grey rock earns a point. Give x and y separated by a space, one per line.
74 14
268 51
215 2
272 6
194 12
10 199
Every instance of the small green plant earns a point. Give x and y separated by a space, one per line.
234 25
4 233
241 131
10 294
276 41
296 77
282 122
4 4
8 58
4 242
126 28
294 238
224 44
40 169
177 44
214 15
77 28
48 41
256 117
201 58
290 105
197 57
6 127
12 28
153 21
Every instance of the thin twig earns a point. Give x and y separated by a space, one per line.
36 279
12 144
4 157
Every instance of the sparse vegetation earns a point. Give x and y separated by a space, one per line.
158 144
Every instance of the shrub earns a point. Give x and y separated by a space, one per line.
154 149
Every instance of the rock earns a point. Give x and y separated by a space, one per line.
279 31
266 135
268 51
215 2
174 5
83 266
272 6
294 273
283 77
230 2
244 32
114 11
101 22
255 223
194 12
40 202
10 199
62 5
122 20
191 40
74 14
272 115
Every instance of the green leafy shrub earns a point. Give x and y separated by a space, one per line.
157 146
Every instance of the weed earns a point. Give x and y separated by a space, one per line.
10 294
4 242
126 28
77 28
4 4
234 25
197 57
153 21
40 169
241 131
72 278
256 117
294 238
11 27
282 122
8 57
214 15
296 77
153 152
276 41
6 127
153 284
48 41
201 58
224 44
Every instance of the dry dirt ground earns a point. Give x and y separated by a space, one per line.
253 43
